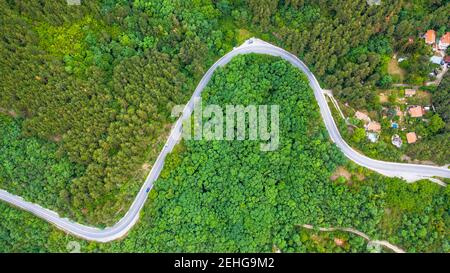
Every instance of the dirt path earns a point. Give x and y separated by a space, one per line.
386 244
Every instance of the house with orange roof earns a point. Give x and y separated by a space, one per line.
361 116
411 137
444 42
416 111
373 126
430 37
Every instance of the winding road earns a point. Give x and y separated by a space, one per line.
410 172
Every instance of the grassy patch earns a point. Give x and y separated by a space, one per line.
395 70
243 34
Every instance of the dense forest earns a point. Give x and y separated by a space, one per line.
99 86
235 211
26 162
99 79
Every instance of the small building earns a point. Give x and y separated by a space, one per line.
339 242
396 141
437 60
373 2
73 2
444 42
411 137
410 92
416 111
373 126
361 116
394 125
430 37
373 137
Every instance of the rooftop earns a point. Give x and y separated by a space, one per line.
445 39
430 37
436 59
416 111
73 2
374 126
411 137
361 116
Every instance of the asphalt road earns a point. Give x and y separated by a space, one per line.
410 172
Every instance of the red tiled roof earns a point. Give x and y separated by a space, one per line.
361 116
430 37
445 39
416 112
411 137
374 126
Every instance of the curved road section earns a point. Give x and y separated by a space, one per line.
410 172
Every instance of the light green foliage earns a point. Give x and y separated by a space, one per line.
76 42
358 135
66 40
436 124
